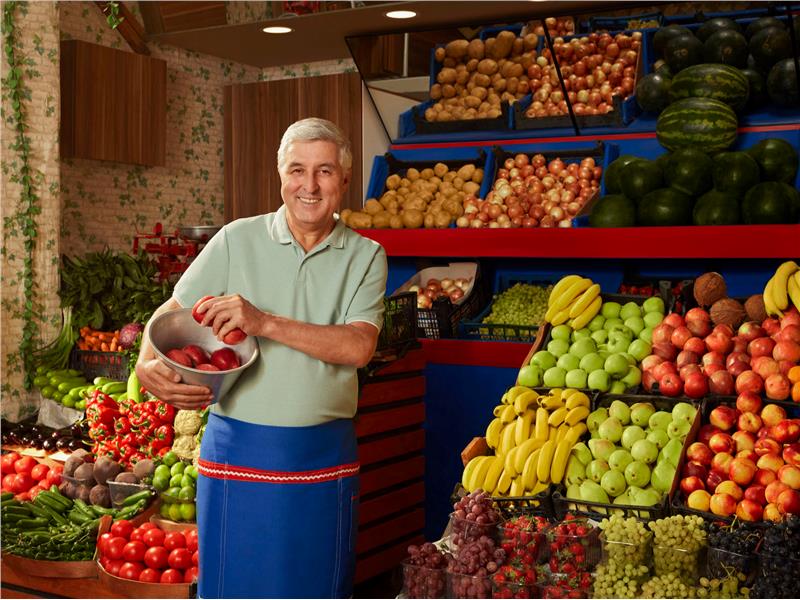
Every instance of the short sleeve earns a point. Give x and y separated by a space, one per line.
207 275
367 304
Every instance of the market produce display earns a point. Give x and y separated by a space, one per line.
25 477
783 290
521 304
233 337
452 289
71 389
32 435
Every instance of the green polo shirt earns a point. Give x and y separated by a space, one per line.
342 280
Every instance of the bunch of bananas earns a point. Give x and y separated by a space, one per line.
574 300
782 288
531 436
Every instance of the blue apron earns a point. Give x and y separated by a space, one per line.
277 510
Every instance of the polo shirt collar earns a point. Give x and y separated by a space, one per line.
283 235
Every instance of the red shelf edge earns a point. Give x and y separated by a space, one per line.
475 353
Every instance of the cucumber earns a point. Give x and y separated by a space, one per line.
103 380
70 384
115 387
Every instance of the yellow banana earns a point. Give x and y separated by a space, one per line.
503 484
769 300
560 286
577 414
552 401
538 487
582 320
560 317
575 432
552 434
563 429
545 461
567 392
560 461
779 284
571 293
793 288
479 473
493 474
529 470
524 400
517 489
507 438
523 429
507 414
541 429
576 399
497 410
585 300
524 450
509 462
493 433
513 393
557 416
466 476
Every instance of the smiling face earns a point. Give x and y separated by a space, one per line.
313 183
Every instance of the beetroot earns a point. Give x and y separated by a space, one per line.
129 333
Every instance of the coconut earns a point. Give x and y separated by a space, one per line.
729 312
754 306
708 288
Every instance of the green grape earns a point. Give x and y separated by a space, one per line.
521 304
677 543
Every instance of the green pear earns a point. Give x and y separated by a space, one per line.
684 411
619 459
617 387
659 437
620 411
662 476
630 309
613 482
582 453
596 417
632 378
672 451
678 429
596 469
592 492
596 324
623 499
637 473
660 420
648 497
610 429
574 491
632 434
654 304
561 332
576 471
641 412
644 451
601 448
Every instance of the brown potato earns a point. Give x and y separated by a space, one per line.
345 214
458 183
472 64
448 91
465 172
523 89
503 44
469 114
454 207
392 182
412 174
437 181
479 93
446 76
471 188
517 47
381 220
493 113
403 191
430 114
530 42
526 60
488 46
476 49
396 222
444 116
412 219
456 49
436 91
482 80
477 176
429 221
499 85
448 178
439 54
508 97
440 169
372 207
487 66
512 84
450 62
426 174
405 182
515 70
505 68
359 220
442 219
415 203
472 101
462 77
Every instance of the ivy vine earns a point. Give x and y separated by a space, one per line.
25 217
113 18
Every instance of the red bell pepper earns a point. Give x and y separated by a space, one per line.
99 432
164 411
122 426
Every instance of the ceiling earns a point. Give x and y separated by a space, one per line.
321 36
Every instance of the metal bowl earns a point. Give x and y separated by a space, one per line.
177 328
199 233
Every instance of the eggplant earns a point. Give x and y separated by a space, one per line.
75 444
49 445
26 439
76 430
63 443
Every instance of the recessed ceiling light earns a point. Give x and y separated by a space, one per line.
401 14
277 30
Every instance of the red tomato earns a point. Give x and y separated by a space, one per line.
25 464
134 551
54 476
131 570
102 543
122 528
191 540
115 546
22 483
154 537
150 575
104 560
174 539
114 566
137 535
156 557
23 497
40 471
8 482
172 576
148 526
34 491
190 575
196 558
180 558
7 462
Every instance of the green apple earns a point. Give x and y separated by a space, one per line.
659 437
672 451
579 334
640 413
543 359
631 435
592 492
620 459
618 341
613 482
600 336
576 378
591 362
620 411
662 476
613 323
631 361
684 411
647 335
678 430
633 378
596 324
596 469
568 361
530 376
596 417
610 429
635 324
660 420
555 377
637 473
617 387
558 347
583 347
616 365
644 451
603 353
630 309
599 380
639 349
610 310
653 305
652 319
561 332
582 453
601 449
576 471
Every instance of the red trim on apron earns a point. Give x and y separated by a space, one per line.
222 471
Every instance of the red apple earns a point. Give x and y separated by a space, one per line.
233 337
663 368
771 462
742 471
179 356
714 479
225 359
723 505
749 381
713 358
706 432
791 454
777 387
772 414
737 368
696 385
755 493
648 380
687 370
774 489
764 366
791 316
739 345
700 453
723 329
699 500
665 350
697 314
690 484
761 347
748 402
698 327
786 431
670 385
771 513
719 342
784 366
662 333
747 510
674 320
789 502
771 326
744 440
721 462
696 345
764 477
767 446
749 454
736 356
680 336
197 354
709 370
207 367
721 383
687 357
750 330
788 333
749 422
650 362
196 315
723 417
694 469
790 475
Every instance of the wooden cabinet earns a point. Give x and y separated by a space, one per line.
257 114
113 105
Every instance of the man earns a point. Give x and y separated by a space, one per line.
278 486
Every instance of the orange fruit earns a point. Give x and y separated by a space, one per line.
794 374
796 392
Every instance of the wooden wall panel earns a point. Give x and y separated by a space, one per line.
257 114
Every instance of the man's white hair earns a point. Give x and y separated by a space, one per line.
316 129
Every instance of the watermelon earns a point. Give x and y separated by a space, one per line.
703 122
611 176
769 46
664 206
762 23
652 93
777 159
720 82
782 84
683 51
613 211
758 92
712 26
716 208
728 47
734 172
662 68
769 202
689 171
640 177
665 34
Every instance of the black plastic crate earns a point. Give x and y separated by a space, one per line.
399 321
442 319
510 507
423 126
100 364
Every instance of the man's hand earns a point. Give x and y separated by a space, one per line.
226 313
164 383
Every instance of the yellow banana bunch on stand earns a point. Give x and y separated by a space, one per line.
783 289
574 300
